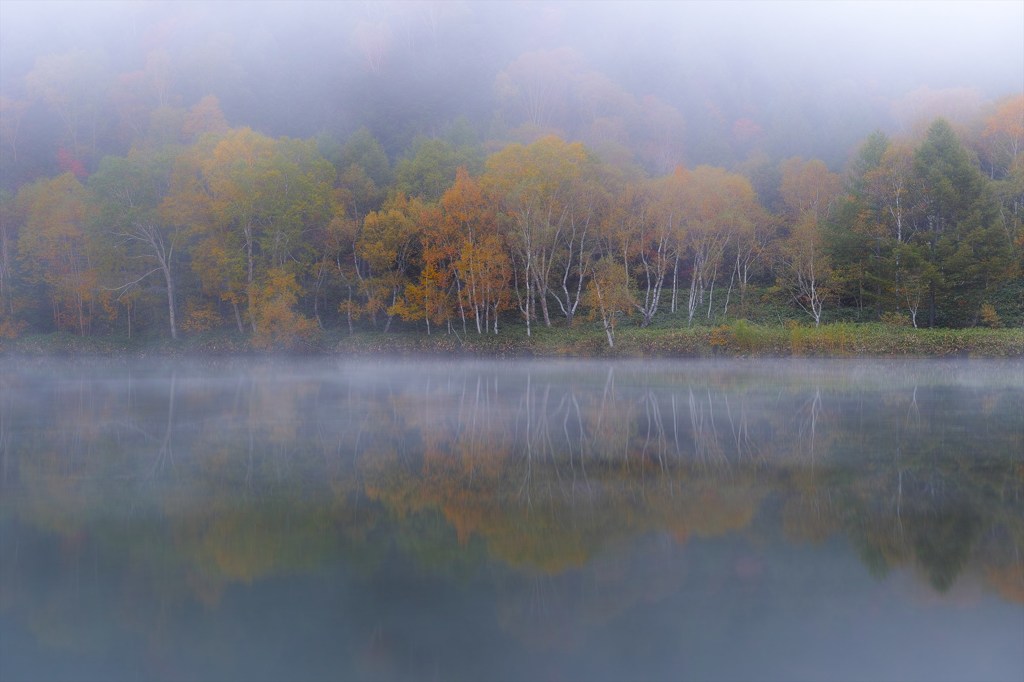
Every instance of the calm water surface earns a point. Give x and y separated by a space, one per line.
366 520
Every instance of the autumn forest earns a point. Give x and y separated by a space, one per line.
186 181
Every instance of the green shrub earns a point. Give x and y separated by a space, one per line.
893 319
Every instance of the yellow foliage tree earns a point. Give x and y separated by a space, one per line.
608 296
278 324
53 247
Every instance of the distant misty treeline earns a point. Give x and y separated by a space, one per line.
147 189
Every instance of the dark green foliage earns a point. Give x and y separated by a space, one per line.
926 239
430 171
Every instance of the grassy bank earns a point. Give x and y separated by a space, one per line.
736 339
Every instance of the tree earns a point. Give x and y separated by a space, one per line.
1003 135
806 267
335 270
870 221
482 266
432 168
72 85
251 201
9 224
609 296
653 214
54 250
718 205
12 115
364 151
232 174
807 187
535 88
750 244
959 217
589 199
277 323
205 117
548 208
426 300
809 191
389 247
137 241
436 294
917 277
136 95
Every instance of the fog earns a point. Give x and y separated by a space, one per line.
384 519
725 80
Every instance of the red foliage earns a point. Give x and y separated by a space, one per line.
69 163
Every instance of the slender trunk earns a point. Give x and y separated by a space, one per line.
394 299
348 311
529 300
462 308
165 267
250 290
527 309
316 295
692 301
605 318
728 293
931 304
238 318
81 315
816 304
569 308
675 277
170 305
711 293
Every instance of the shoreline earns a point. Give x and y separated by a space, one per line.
738 339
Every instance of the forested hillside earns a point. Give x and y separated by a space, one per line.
169 169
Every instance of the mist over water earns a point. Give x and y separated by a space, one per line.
511 520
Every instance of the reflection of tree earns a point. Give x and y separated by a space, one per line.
943 544
185 488
553 612
1008 578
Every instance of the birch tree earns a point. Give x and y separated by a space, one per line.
140 242
809 191
534 189
608 296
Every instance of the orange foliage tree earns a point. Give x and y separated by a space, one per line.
482 266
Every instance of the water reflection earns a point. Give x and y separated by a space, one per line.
544 513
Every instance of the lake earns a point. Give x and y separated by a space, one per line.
511 520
